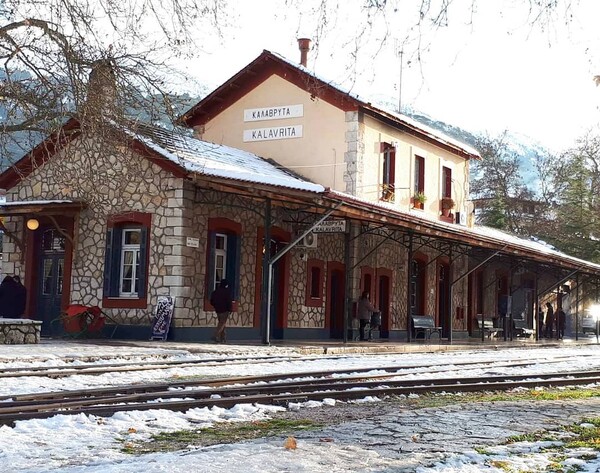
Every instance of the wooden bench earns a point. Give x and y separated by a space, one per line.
424 324
520 328
488 327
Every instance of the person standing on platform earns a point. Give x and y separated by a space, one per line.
540 322
561 323
549 320
20 297
365 308
222 300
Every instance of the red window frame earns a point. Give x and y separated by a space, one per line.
313 265
143 220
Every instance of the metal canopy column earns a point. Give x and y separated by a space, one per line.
266 276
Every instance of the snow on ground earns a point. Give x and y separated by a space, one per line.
89 444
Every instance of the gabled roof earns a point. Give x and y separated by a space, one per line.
200 157
176 152
269 63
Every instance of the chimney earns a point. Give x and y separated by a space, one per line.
101 89
304 45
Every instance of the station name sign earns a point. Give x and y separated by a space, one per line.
331 226
274 133
273 113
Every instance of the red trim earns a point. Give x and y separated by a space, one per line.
145 220
311 301
58 140
122 303
268 64
255 73
224 225
368 271
331 267
139 218
39 155
282 236
32 257
385 320
31 273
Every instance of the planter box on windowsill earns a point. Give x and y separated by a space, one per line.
418 205
448 219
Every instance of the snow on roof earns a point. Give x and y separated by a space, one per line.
399 116
485 232
211 159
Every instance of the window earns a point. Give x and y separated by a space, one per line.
220 265
129 280
126 261
388 172
314 283
419 175
446 182
315 279
223 257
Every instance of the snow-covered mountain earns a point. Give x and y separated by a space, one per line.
525 148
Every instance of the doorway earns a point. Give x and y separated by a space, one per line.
383 303
51 248
336 294
443 294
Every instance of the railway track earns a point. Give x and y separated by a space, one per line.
95 369
274 389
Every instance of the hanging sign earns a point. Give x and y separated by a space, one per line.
162 317
330 226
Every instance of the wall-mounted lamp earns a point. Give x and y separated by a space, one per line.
33 223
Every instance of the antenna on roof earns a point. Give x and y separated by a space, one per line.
399 53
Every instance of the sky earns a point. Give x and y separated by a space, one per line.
90 444
491 70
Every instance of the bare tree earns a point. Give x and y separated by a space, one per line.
48 50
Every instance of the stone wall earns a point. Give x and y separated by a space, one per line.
19 331
133 184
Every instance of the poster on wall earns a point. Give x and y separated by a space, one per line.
162 318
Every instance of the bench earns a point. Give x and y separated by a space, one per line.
488 328
520 328
425 325
19 331
588 325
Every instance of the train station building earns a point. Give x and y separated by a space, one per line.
302 195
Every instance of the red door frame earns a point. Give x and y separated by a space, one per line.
385 312
32 258
331 267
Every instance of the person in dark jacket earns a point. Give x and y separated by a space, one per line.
20 296
561 324
549 320
221 299
8 298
